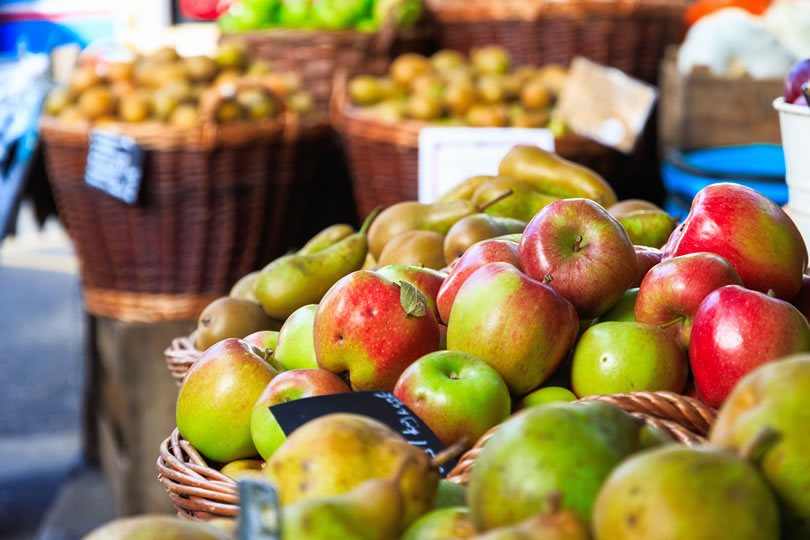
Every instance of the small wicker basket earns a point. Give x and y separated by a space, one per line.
181 355
200 492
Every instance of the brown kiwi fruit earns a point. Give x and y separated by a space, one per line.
96 101
230 317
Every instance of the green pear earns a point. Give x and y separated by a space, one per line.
414 216
522 204
332 454
464 191
243 468
414 248
475 228
776 396
296 348
679 493
569 448
650 228
157 527
624 308
445 523
326 238
450 494
296 280
245 288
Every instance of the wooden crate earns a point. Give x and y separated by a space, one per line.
133 409
701 110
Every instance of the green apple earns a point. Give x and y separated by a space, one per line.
623 310
548 394
264 339
614 357
453 522
458 396
243 468
450 494
294 384
215 401
296 347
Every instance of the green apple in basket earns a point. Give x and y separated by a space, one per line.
295 13
338 14
248 15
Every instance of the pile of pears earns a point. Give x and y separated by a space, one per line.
483 90
165 87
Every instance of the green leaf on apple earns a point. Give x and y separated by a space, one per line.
412 299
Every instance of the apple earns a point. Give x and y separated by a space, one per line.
671 293
547 394
476 256
802 300
458 396
294 384
751 232
623 310
516 324
264 339
582 252
617 357
216 398
427 280
373 329
243 468
296 348
646 257
798 75
736 330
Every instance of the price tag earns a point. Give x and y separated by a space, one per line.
114 165
450 155
605 105
381 406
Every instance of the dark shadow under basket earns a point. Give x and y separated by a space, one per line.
200 492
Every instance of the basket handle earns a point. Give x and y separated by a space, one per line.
384 40
338 100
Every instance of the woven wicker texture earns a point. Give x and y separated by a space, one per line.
199 492
180 356
628 34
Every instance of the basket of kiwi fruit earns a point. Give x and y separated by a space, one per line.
219 135
380 117
631 36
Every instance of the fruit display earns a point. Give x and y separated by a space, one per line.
360 15
484 90
167 88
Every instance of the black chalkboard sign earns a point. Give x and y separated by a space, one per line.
382 406
114 165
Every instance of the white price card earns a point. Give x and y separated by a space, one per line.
450 155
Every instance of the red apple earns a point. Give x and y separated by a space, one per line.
518 325
737 330
671 293
646 257
755 235
476 256
294 384
802 300
458 396
373 329
799 74
582 252
427 280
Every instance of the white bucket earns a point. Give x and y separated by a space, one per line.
794 122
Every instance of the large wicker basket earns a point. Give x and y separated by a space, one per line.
201 492
628 34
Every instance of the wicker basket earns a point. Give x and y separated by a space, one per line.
200 492
384 157
628 34
200 220
181 355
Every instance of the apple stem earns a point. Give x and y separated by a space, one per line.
369 219
452 451
454 375
577 242
497 199
554 500
763 441
771 293
547 279
673 322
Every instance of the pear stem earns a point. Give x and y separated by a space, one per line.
369 219
452 451
548 278
497 199
673 322
763 441
577 242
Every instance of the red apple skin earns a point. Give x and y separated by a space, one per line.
673 290
427 280
361 327
751 232
737 330
802 300
592 276
646 257
475 257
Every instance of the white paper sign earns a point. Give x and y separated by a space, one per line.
450 155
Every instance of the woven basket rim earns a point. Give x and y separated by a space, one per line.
450 11
180 356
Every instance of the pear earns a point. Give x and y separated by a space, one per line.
450 494
414 248
555 524
475 228
522 204
326 238
243 468
679 493
551 174
333 454
157 527
230 317
648 227
414 216
464 191
453 522
245 288
296 280
569 448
